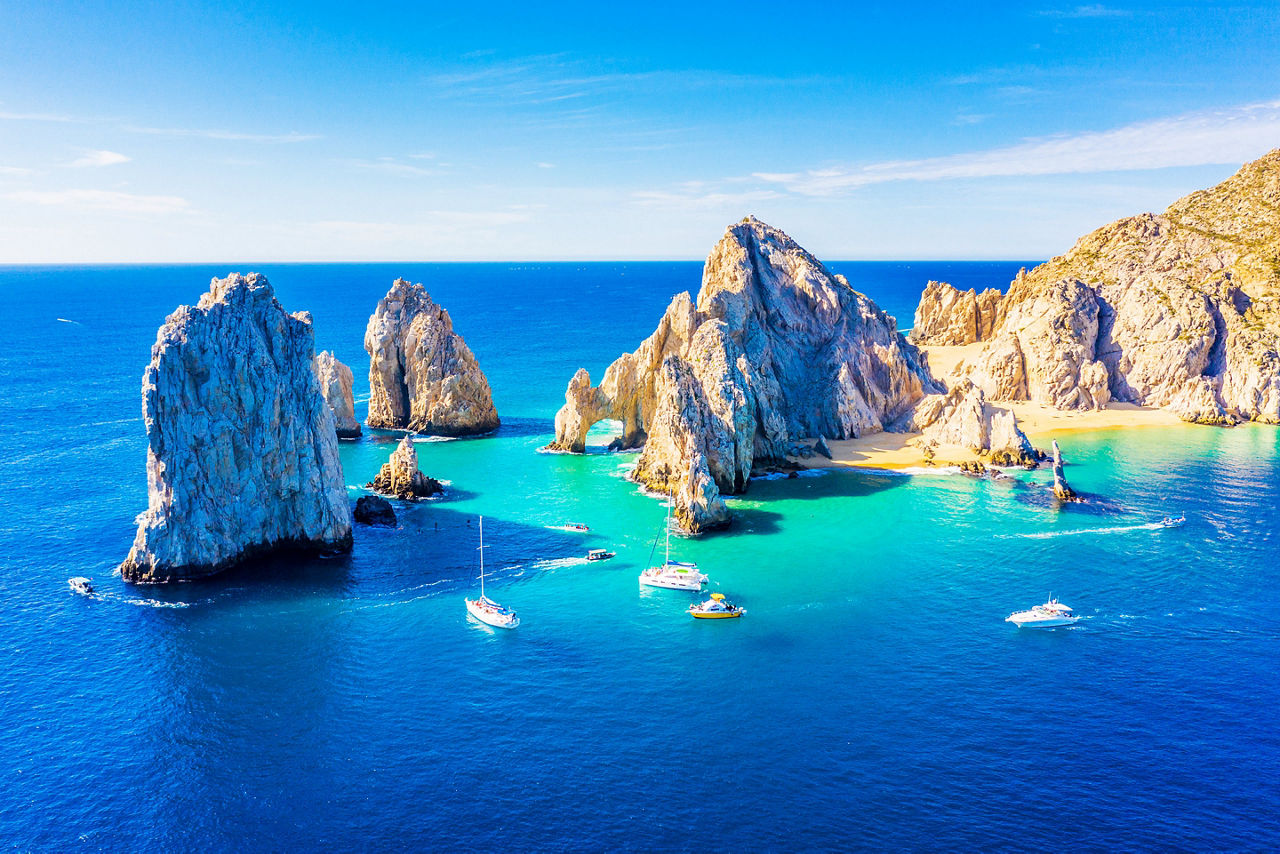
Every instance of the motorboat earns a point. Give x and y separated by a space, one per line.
1171 522
672 574
81 585
1047 616
600 554
485 609
575 527
716 608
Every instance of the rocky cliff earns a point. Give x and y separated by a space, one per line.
962 416
242 457
335 381
422 375
950 316
775 348
1179 310
399 477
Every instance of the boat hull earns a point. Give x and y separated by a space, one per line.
694 585
716 615
499 621
1049 623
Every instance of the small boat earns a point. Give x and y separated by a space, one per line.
600 554
81 585
1171 522
673 574
1047 616
485 609
575 527
716 608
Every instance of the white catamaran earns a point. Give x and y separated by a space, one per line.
673 574
485 609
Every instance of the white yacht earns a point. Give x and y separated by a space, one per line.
81 585
485 609
1047 616
673 574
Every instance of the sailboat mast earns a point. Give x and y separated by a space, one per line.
670 498
481 557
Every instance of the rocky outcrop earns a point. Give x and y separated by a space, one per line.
776 348
949 316
1179 310
961 416
422 375
376 511
335 381
1061 489
399 477
242 456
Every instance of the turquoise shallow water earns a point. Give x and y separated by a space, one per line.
872 697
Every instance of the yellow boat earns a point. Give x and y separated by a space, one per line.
716 608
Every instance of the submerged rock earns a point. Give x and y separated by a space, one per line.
776 348
242 456
1179 310
335 384
399 477
422 375
375 510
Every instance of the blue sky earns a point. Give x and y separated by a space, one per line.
191 131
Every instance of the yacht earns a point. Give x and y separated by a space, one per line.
673 574
716 608
81 585
485 609
1047 616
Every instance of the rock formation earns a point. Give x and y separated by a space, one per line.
949 316
399 477
335 384
242 457
422 375
776 348
375 510
1061 489
1179 310
962 416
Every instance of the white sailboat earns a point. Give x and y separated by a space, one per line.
485 609
673 574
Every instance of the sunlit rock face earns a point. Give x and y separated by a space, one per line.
336 382
422 375
242 454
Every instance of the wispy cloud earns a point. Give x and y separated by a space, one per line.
103 200
37 117
1093 10
392 166
686 199
16 171
234 136
544 165
1193 139
99 158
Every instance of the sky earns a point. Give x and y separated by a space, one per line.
196 131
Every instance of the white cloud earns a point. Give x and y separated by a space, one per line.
99 158
1093 10
686 199
392 166
37 117
1233 135
102 200
545 165
15 171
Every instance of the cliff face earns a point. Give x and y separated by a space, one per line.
335 381
422 375
950 316
1179 310
242 457
775 348
962 416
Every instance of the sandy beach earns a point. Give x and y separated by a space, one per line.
1041 423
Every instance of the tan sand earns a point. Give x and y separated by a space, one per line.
1041 424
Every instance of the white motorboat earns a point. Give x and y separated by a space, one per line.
485 609
1047 616
1171 522
673 574
81 585
600 554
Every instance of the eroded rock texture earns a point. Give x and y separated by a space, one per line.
242 456
335 381
422 375
399 477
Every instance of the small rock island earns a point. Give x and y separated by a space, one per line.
422 375
242 454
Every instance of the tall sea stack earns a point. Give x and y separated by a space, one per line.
242 455
422 375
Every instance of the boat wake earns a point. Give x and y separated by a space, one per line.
558 563
419 440
1116 529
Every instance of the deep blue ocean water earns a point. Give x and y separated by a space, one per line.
872 697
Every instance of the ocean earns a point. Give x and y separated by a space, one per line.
872 697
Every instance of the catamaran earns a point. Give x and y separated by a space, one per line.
485 609
673 574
